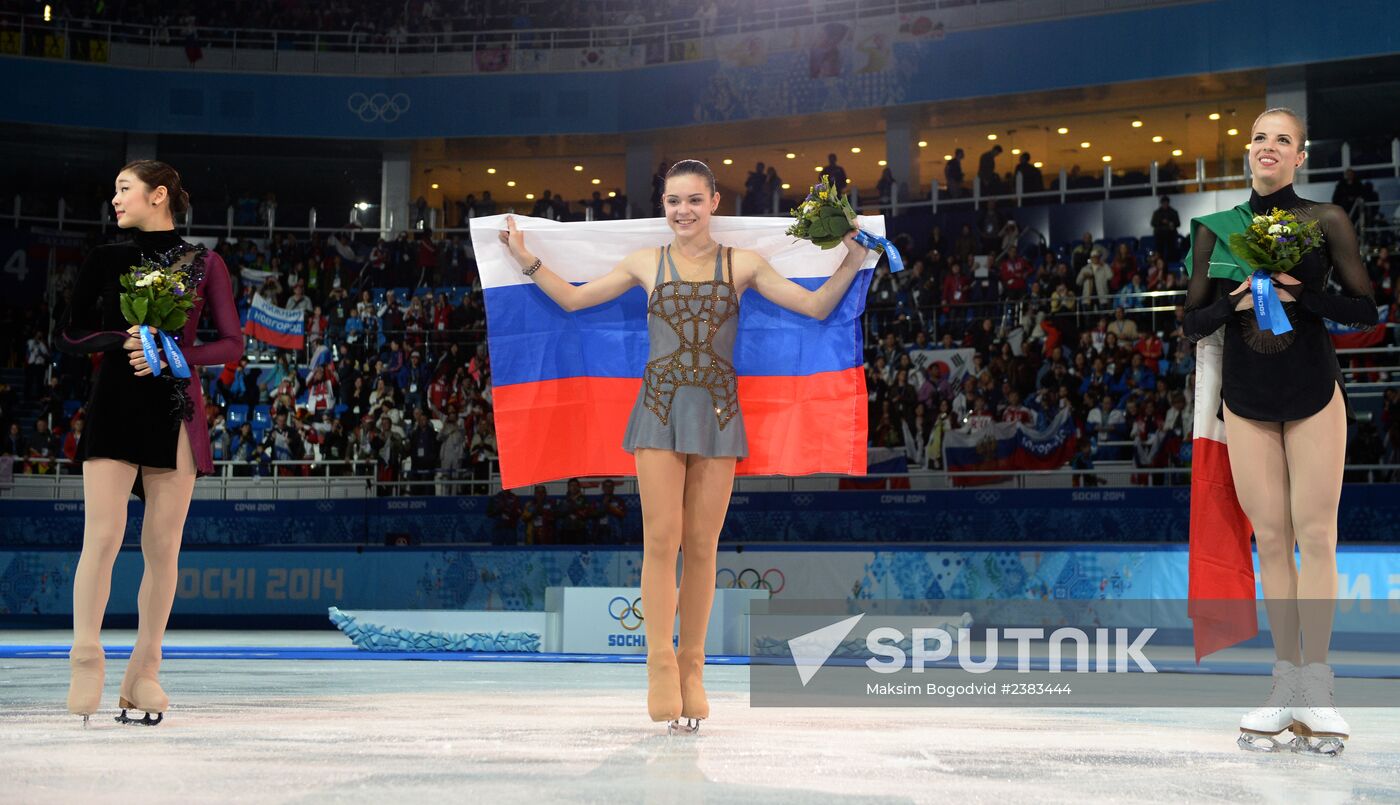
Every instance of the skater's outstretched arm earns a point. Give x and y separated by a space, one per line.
567 295
753 271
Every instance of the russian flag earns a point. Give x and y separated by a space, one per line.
1344 337
1009 446
1220 594
275 325
563 384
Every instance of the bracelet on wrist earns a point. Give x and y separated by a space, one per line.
535 266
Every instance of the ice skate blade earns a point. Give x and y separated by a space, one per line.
1259 742
144 721
1321 747
690 727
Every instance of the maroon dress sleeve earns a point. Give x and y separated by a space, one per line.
218 300
81 331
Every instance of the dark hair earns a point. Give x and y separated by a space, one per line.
693 167
158 174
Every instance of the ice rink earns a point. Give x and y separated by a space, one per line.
403 731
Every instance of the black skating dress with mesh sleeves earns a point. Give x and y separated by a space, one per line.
1283 378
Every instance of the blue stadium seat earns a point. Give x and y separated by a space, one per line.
70 407
378 295
262 416
237 415
401 294
1148 243
340 410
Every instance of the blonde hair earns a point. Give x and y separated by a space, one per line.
1297 118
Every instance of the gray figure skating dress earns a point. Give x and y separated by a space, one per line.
689 402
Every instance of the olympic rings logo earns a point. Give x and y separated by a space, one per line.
630 613
751 579
378 106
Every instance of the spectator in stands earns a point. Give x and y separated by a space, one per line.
837 174
1165 226
452 447
1385 277
1062 300
1079 256
482 449
1124 328
608 515
36 364
576 515
244 450
1349 190
1130 295
387 447
953 175
505 511
334 447
284 443
1093 280
1032 180
539 514
987 171
423 448
1124 266
754 202
884 188
1014 271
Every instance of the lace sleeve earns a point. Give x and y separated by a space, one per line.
1354 307
1204 313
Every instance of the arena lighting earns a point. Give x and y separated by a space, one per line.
1137 124
1157 138
1232 132
729 162
1248 146
1015 151
1107 158
597 181
923 143
790 155
511 183
855 150
436 185
529 196
787 186
882 163
48 13
818 169
1062 130
947 157
578 168
1040 164
490 170
1085 144
1176 152
362 206
612 194
1214 115
991 136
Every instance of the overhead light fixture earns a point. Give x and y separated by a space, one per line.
511 183
1232 132
436 185
790 155
1214 115
48 13
1040 164
578 167
612 194
729 162
529 196
1157 138
923 143
818 169
1176 152
1015 151
597 181
787 186
490 170
1107 158
991 136
1062 130
882 163
1248 146
1137 124
947 157
1085 144
363 205
855 150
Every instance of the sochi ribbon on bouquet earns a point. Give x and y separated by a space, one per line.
157 301
825 217
1273 243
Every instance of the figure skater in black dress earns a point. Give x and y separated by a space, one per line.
145 434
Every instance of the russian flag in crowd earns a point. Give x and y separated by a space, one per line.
275 325
1221 588
1009 446
1344 337
563 384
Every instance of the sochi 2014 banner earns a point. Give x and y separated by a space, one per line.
1009 446
1344 337
275 325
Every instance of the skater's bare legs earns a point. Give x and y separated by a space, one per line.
1316 449
1260 469
106 490
168 495
708 484
661 482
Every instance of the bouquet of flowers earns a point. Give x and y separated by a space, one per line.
1276 242
156 299
825 217
1273 243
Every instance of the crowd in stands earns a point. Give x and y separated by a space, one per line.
395 376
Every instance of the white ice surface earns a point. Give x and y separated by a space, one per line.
427 732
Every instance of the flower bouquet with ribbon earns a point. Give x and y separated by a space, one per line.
157 301
825 217
1271 244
